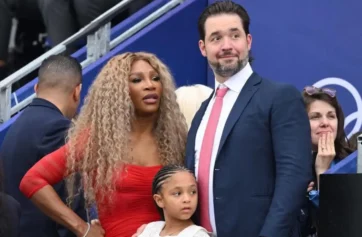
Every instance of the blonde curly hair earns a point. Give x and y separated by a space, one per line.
98 141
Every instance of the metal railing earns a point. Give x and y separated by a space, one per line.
359 154
98 44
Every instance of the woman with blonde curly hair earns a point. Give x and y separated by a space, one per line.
129 127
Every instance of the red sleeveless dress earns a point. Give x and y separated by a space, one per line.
132 204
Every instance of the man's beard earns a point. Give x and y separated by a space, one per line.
229 70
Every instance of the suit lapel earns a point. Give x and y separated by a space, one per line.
241 102
191 139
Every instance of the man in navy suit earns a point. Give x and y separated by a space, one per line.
250 144
39 130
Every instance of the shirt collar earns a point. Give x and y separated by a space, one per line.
237 81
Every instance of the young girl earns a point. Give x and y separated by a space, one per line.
174 190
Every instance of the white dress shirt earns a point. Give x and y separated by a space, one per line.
235 85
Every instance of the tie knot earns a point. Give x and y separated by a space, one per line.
221 92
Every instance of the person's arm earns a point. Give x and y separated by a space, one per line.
325 156
54 138
48 201
36 185
291 139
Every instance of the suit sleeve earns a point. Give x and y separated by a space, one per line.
290 131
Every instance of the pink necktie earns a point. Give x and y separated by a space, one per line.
205 158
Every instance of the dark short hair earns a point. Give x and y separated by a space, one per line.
223 7
60 72
341 143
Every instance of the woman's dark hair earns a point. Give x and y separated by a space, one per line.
341 143
162 175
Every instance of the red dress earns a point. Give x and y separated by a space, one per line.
132 204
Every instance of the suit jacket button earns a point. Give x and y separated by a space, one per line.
217 169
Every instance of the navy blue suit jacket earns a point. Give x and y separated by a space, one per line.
264 162
39 130
10 213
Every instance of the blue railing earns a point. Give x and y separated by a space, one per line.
177 30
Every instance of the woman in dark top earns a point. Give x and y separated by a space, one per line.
9 213
329 144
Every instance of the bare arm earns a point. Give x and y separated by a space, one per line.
36 185
48 201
